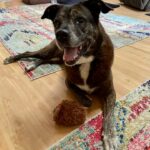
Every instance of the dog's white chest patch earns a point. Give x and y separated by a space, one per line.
84 72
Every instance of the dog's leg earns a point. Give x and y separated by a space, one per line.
46 54
38 62
82 97
24 55
34 65
109 136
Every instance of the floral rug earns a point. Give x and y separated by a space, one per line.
132 121
21 29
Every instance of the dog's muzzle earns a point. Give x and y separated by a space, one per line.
71 53
62 35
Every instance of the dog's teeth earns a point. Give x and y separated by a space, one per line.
74 58
80 47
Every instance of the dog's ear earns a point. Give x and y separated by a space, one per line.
50 12
97 6
106 7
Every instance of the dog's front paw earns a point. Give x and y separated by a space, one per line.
110 143
30 67
8 60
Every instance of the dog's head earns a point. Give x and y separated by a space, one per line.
76 28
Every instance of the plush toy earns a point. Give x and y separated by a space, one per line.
69 113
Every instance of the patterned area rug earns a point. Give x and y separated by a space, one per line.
3 1
132 125
21 29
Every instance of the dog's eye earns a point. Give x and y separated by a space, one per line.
79 20
57 23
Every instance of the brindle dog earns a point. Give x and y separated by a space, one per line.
87 51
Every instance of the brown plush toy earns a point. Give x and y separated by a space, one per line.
69 113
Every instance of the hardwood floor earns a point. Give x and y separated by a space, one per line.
26 107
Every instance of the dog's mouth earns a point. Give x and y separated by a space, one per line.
72 54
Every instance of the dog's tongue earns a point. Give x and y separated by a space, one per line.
70 54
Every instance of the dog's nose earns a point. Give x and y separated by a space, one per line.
62 35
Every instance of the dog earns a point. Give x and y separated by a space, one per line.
82 44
